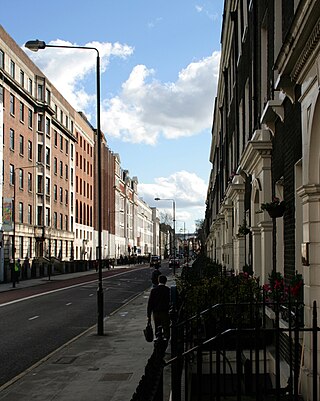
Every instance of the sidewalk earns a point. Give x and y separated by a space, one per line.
92 367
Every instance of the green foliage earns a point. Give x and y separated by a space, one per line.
205 284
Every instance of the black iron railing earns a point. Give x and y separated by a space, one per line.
260 359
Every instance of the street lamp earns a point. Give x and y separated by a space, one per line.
36 45
174 229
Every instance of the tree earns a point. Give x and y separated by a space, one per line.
166 218
200 234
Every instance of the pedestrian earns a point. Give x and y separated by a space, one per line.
17 269
155 276
158 307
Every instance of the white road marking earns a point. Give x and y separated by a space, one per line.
69 303
34 317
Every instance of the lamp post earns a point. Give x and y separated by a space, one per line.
174 229
36 45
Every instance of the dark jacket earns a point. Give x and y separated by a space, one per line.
159 300
154 277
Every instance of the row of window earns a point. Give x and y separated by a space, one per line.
62 223
43 94
25 248
84 188
83 163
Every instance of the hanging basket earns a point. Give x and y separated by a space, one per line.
277 211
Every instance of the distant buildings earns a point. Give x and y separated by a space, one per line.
49 186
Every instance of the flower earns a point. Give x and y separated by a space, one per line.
271 205
277 291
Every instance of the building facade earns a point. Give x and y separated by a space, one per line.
265 147
49 208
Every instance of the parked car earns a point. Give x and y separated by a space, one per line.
174 262
155 261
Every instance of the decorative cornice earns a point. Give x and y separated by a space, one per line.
309 48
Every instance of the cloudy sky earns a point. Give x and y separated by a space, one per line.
159 69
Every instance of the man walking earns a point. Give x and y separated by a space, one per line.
159 305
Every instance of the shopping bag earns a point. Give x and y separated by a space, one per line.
148 333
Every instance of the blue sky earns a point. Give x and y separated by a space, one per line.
159 69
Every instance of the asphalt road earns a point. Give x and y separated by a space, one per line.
37 325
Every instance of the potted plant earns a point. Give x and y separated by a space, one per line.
243 229
276 208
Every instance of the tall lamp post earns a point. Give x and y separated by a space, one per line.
174 229
36 45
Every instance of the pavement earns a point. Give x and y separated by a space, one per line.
89 367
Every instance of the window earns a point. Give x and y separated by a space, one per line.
61 169
61 116
61 142
55 219
29 214
55 193
47 156
48 97
67 172
30 83
21 145
39 216
30 182
61 195
71 126
47 186
30 118
40 122
66 222
11 174
71 175
67 122
1 94
40 153
40 92
55 165
29 150
11 139
66 196
67 147
1 59
11 104
71 148
21 247
56 110
47 216
20 178
61 221
40 184
20 212
22 78
21 112
48 126
12 69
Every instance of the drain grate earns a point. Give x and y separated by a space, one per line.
66 360
116 377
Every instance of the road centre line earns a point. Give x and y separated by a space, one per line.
33 318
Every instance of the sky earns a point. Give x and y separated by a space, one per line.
159 71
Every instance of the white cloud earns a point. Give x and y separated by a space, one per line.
147 108
185 188
68 68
